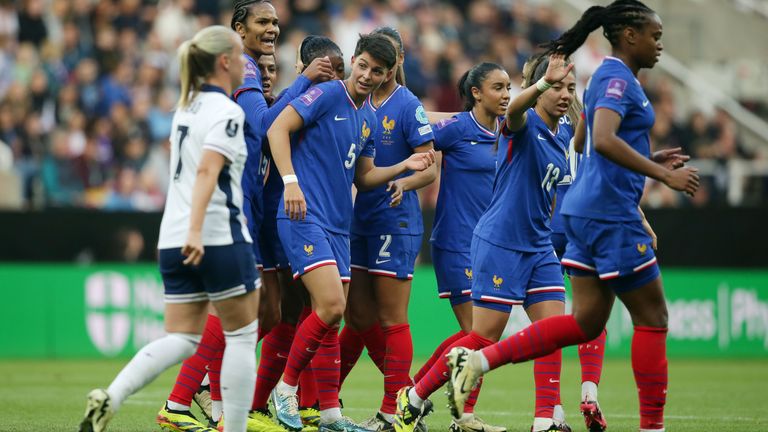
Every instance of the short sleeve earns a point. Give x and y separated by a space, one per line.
416 128
613 94
313 103
446 133
226 135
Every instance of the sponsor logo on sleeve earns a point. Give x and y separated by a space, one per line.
250 70
426 129
310 96
616 88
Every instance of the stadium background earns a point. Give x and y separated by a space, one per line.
86 93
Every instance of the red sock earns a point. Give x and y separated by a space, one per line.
438 354
214 375
649 363
536 340
546 376
438 374
469 406
591 359
193 369
307 387
376 345
325 365
306 343
274 355
351 346
397 364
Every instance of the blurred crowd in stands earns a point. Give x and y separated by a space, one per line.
87 87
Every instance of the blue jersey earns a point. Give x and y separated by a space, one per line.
529 164
557 224
603 189
255 168
403 126
325 152
466 180
273 193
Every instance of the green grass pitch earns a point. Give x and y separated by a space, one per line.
704 395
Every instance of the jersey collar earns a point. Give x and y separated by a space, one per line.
343 84
374 107
212 88
483 128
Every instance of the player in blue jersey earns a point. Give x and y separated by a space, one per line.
386 237
512 258
466 141
277 270
321 143
609 254
204 251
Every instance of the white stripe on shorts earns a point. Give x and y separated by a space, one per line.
229 293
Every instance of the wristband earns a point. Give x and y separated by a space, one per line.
290 178
542 85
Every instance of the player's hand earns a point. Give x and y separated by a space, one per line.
295 205
320 70
193 248
684 179
420 161
557 70
671 158
396 187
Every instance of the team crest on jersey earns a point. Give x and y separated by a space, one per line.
642 248
468 273
366 132
232 127
388 125
310 96
497 281
309 249
616 88
421 115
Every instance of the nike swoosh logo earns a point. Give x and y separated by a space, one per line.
382 261
282 356
309 350
553 381
645 104
541 137
337 361
473 143
337 118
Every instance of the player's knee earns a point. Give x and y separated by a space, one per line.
590 326
332 312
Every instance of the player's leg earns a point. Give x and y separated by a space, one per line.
185 310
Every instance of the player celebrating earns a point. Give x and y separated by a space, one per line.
386 238
204 245
466 185
334 143
609 253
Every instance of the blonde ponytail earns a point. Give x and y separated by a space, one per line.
197 58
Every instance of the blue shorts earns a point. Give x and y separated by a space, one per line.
454 275
386 254
253 221
504 277
617 252
309 246
272 254
225 272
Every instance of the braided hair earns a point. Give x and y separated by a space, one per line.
241 10
613 18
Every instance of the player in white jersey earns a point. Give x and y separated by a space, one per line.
205 252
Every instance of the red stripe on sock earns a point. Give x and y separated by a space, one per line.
438 374
351 346
376 344
469 406
649 364
305 345
325 365
546 377
438 354
275 349
397 364
591 359
193 369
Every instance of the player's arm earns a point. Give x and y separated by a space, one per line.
369 176
580 136
648 229
415 181
279 135
608 144
211 164
516 111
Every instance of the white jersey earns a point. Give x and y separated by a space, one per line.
212 121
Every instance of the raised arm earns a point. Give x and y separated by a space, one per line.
516 111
